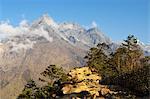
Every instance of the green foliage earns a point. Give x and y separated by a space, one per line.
137 81
45 92
130 43
29 91
127 57
127 66
55 74
100 61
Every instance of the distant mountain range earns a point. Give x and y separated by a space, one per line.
27 49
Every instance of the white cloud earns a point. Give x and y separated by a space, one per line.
24 23
41 32
7 29
86 27
18 46
94 24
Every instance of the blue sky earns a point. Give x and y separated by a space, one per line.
116 18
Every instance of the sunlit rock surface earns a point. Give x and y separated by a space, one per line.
85 79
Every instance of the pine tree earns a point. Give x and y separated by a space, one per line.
133 67
127 56
29 91
98 59
130 43
53 73
134 52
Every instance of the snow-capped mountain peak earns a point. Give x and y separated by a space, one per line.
144 47
24 23
45 20
49 30
46 29
72 26
93 29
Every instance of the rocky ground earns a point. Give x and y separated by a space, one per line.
85 83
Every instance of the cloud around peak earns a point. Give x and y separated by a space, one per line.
94 24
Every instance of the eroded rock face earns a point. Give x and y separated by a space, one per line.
84 79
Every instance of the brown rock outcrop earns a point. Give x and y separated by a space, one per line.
83 79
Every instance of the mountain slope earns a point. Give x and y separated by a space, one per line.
27 49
